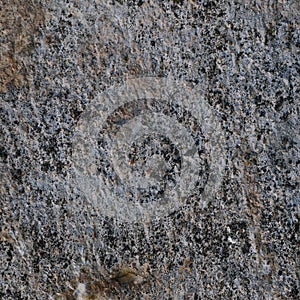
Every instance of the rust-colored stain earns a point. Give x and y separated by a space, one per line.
20 21
101 284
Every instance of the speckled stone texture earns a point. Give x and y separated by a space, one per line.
57 57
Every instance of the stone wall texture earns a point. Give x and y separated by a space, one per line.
149 149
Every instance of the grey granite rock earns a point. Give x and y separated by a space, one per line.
149 149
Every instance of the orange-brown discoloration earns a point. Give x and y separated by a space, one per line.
19 23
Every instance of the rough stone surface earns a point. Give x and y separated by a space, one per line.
237 239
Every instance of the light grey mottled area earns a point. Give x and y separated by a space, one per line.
234 234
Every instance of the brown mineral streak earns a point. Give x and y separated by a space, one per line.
19 23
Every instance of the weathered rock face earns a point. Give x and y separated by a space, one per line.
149 149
